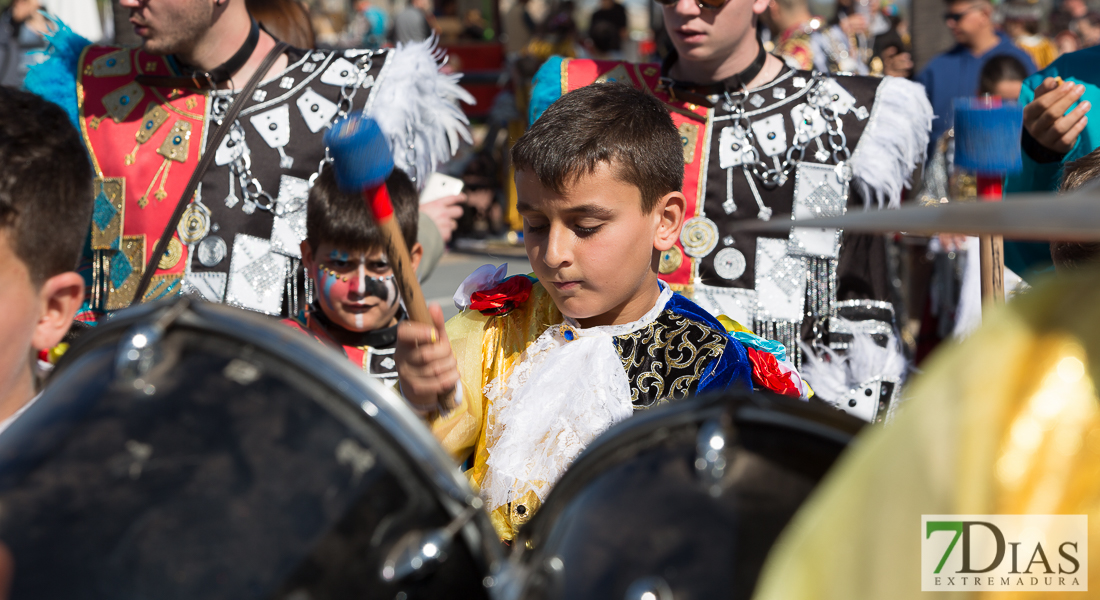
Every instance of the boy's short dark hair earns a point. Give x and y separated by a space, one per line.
998 69
344 220
45 184
1071 255
609 123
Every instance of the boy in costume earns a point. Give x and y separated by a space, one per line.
357 305
548 364
45 207
761 140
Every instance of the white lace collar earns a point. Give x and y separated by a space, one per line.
625 328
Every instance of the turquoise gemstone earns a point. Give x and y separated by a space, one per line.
148 124
176 140
110 62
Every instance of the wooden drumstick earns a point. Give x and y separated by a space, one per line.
363 161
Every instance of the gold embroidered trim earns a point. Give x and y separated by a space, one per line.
80 113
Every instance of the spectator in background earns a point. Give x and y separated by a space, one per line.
792 25
955 73
1021 23
473 26
891 53
613 14
1066 13
285 20
845 45
415 23
376 24
519 27
21 29
82 16
1057 130
602 41
1087 29
1066 41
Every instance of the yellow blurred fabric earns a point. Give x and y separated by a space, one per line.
485 348
1007 422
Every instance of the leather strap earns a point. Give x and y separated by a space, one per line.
204 164
697 93
194 79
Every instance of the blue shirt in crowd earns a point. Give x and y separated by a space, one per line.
956 74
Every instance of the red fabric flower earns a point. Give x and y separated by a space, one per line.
767 374
503 298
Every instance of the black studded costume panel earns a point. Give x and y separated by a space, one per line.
256 190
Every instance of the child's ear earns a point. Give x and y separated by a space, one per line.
60 298
415 254
307 256
669 213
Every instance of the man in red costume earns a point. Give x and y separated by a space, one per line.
148 114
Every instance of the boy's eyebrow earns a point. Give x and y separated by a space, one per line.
592 210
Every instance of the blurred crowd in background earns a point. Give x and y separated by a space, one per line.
498 45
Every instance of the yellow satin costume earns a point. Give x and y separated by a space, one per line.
485 348
1006 422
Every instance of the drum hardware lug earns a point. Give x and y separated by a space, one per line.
649 588
711 452
138 348
417 552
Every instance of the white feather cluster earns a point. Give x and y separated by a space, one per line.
833 375
894 143
414 98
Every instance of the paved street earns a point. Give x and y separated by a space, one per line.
456 266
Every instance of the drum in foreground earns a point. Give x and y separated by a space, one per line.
682 503
191 450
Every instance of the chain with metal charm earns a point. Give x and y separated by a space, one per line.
838 142
410 152
234 152
363 64
777 175
745 142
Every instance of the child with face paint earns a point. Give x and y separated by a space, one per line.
356 305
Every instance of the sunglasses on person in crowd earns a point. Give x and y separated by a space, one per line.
957 16
707 4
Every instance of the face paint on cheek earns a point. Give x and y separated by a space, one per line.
325 280
362 287
382 287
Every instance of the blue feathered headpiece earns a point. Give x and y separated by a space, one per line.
55 78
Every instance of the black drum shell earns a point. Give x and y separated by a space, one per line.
632 506
246 490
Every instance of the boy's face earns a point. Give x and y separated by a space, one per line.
593 248
32 317
19 307
356 290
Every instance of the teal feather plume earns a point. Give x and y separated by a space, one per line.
55 78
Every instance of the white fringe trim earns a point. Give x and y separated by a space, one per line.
893 144
832 375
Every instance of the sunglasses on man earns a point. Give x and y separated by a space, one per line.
957 16
707 4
